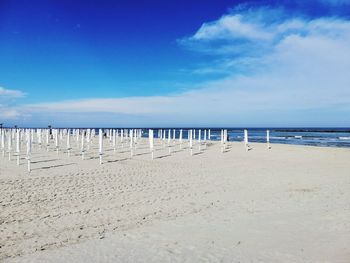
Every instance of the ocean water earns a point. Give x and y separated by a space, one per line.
328 137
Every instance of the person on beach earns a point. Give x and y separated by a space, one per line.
50 131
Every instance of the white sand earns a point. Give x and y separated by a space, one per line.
287 204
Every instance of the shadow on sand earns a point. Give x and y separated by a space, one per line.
53 166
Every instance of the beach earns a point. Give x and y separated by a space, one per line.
289 203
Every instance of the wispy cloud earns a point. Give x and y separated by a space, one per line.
256 32
7 110
336 2
7 113
231 27
9 93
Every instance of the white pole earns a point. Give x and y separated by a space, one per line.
205 139
209 135
131 142
268 139
180 139
3 142
135 138
225 139
57 140
191 143
199 139
60 133
222 140
110 136
88 134
47 139
9 144
100 140
77 132
18 145
246 139
38 133
82 145
122 137
151 142
174 136
29 149
68 143
93 133
169 138
114 140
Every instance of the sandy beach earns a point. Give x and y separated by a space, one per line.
175 131
286 204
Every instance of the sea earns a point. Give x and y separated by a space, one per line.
326 137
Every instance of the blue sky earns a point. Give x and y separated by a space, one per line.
175 63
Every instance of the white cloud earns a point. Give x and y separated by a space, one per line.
305 66
9 114
8 93
256 32
231 26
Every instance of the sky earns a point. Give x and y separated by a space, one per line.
175 63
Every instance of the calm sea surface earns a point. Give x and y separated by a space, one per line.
331 137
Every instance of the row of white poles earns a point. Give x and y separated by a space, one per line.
17 136
170 136
84 138
223 139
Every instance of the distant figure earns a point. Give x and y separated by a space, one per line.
50 131
228 138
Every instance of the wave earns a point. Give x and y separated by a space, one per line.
313 130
